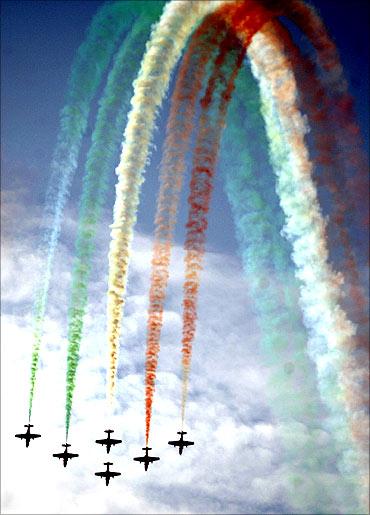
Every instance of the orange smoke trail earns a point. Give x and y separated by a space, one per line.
245 19
341 146
179 129
350 156
316 103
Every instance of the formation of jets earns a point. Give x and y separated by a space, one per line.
108 442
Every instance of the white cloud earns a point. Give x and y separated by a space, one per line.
236 465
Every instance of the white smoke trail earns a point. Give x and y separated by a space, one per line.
164 48
330 332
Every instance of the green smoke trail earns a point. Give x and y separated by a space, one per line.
88 67
329 330
106 137
250 186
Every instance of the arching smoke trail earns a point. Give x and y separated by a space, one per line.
164 48
274 291
330 330
334 179
204 162
110 122
203 45
91 61
245 19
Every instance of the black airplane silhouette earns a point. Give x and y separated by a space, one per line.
65 455
28 436
108 441
146 459
181 443
107 473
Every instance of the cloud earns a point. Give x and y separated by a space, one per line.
235 436
238 463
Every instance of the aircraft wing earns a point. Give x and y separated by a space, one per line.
101 474
72 455
187 443
34 436
153 458
141 459
114 473
174 442
114 441
59 455
20 436
104 441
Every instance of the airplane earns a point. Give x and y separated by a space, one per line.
181 443
108 441
146 459
28 436
107 473
65 455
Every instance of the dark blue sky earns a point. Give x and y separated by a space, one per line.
39 41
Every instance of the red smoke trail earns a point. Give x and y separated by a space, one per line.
179 129
350 157
246 19
339 144
316 103
177 141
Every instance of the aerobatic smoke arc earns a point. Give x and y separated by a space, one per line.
110 121
203 44
293 172
164 48
87 70
330 330
274 291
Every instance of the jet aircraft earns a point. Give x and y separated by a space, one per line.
181 443
107 473
28 436
146 459
65 455
108 441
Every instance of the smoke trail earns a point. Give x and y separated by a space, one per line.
274 291
110 121
87 70
203 44
353 300
167 40
351 158
201 188
245 19
330 331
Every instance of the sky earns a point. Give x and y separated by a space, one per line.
238 463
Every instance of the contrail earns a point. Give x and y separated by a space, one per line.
331 154
245 19
274 291
110 122
330 332
88 67
164 48
203 45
